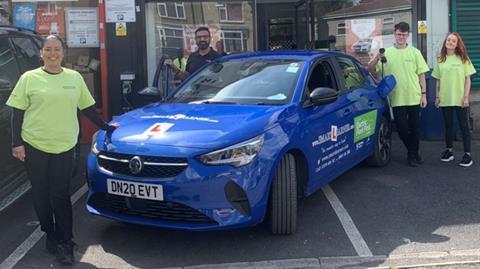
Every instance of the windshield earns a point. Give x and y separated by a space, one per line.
242 81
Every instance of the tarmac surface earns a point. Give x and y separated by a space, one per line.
423 217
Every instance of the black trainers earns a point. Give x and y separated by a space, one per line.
418 159
447 156
65 253
411 161
51 246
466 160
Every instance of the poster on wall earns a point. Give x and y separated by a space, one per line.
81 25
189 36
24 16
50 19
120 10
364 38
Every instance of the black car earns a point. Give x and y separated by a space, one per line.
19 52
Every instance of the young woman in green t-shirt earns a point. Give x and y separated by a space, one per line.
452 71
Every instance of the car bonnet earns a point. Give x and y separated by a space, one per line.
194 125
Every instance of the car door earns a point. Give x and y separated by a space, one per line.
9 74
326 128
365 113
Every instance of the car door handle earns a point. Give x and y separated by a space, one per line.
347 112
371 103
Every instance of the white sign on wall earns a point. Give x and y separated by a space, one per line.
81 26
120 10
363 28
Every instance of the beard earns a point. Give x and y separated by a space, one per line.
203 45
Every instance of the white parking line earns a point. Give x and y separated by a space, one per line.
356 238
21 250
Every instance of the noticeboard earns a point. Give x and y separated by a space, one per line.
81 25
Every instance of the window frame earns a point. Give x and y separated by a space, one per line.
176 6
225 8
164 37
242 39
164 6
344 28
333 67
392 23
342 79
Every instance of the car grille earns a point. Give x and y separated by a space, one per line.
149 209
153 167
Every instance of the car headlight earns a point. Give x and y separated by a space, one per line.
237 155
94 147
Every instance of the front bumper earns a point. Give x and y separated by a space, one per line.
200 198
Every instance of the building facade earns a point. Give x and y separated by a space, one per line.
138 33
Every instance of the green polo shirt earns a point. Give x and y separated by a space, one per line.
405 65
50 102
451 74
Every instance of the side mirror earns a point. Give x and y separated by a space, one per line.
323 95
386 85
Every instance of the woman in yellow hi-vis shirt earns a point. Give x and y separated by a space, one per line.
452 71
44 132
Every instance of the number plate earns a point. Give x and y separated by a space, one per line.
134 189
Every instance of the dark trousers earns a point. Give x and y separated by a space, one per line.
50 176
462 117
407 121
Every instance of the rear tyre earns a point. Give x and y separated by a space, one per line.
383 146
283 198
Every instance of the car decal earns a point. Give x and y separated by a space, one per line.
179 117
158 129
364 125
330 136
292 68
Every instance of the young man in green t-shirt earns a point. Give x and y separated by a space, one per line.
407 65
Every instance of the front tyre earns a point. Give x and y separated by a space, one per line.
283 198
383 146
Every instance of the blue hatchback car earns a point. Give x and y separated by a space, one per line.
240 142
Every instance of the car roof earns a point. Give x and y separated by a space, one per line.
300 55
13 30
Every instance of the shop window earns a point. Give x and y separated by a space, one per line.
234 41
352 75
230 12
387 26
171 10
8 66
171 37
341 29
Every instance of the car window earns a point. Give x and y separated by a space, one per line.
351 74
242 81
9 73
322 76
27 53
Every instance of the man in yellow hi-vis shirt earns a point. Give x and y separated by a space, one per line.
407 65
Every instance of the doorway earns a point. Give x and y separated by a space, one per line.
287 24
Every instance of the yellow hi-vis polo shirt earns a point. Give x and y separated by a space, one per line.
405 65
50 102
451 74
